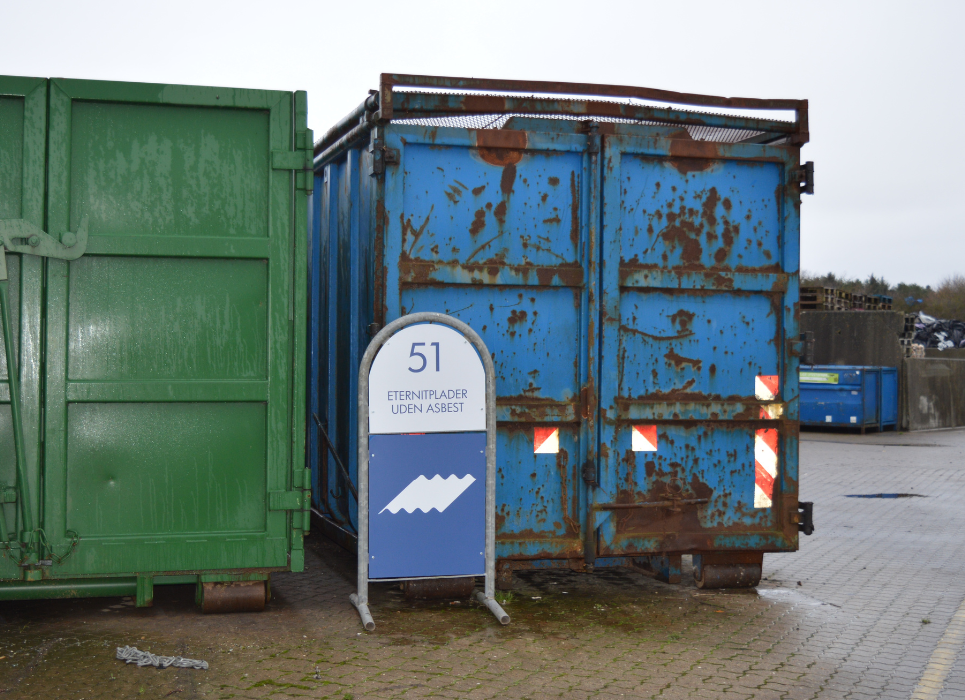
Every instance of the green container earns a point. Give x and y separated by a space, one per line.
162 372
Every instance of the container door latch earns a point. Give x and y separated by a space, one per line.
21 236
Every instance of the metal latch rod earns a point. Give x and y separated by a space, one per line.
20 236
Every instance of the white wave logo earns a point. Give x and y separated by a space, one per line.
426 494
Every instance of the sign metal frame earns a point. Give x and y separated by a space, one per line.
360 599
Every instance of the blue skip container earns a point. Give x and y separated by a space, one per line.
848 396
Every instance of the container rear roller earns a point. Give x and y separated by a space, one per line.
438 588
728 569
233 596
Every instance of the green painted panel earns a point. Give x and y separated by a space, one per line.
165 170
167 318
23 141
171 364
11 156
169 469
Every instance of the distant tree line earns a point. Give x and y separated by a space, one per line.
946 301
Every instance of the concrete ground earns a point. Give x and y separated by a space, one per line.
871 607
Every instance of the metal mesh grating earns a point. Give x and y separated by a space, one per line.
498 121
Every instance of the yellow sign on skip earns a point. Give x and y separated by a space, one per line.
819 377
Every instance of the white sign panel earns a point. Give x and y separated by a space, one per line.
427 379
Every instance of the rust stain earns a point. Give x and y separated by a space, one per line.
408 228
379 302
479 223
574 211
500 213
501 147
688 156
637 331
553 220
507 179
679 360
478 190
683 319
554 181
453 193
710 207
516 317
682 232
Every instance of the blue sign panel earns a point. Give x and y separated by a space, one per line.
427 505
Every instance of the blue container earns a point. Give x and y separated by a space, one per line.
849 396
634 271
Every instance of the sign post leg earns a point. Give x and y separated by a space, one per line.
493 606
488 595
363 607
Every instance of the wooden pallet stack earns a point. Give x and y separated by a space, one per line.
831 299
842 300
817 298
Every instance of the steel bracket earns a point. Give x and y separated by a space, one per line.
21 236
285 500
299 160
804 176
805 521
382 156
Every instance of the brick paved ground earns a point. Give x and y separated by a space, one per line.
854 628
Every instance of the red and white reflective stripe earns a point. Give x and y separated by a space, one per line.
765 467
766 386
644 438
546 440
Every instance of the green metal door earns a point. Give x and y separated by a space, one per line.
23 133
171 366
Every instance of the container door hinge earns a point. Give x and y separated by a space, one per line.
804 176
296 499
299 160
382 156
805 520
594 141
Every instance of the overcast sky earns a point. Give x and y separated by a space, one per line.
884 80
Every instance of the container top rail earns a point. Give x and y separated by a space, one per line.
417 97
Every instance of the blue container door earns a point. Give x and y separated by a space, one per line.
697 390
493 228
870 383
889 396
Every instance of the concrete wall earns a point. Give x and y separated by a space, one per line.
855 337
950 354
933 393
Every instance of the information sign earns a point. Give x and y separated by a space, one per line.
427 457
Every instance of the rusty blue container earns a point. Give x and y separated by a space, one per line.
634 271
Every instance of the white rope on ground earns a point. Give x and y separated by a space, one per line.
132 655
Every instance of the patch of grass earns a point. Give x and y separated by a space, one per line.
348 696
504 597
925 621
